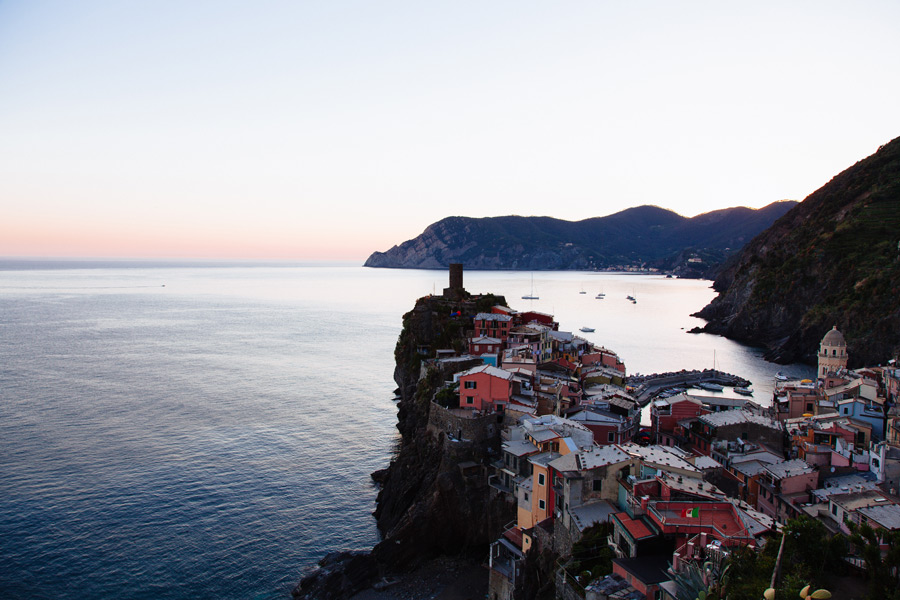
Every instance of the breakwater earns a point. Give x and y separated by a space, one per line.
645 387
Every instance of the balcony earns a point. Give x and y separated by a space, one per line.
497 483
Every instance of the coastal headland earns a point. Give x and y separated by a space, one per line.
522 458
439 496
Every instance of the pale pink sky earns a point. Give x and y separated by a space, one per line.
330 130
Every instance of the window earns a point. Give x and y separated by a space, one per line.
470 399
596 485
471 385
834 509
809 407
611 437
477 349
540 479
542 505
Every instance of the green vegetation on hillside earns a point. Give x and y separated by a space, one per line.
833 260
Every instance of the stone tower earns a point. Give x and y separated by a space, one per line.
456 291
832 353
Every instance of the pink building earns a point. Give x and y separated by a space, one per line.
607 358
665 413
485 388
484 345
784 486
492 325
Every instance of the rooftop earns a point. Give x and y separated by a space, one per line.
488 370
887 516
484 340
723 517
693 486
519 447
544 458
749 468
790 468
636 528
856 500
662 402
738 417
543 435
705 462
592 458
658 455
492 317
593 512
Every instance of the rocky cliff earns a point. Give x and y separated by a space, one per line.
644 235
832 260
428 506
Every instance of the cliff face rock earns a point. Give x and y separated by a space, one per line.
643 235
832 260
427 506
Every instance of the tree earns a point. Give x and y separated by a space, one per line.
880 549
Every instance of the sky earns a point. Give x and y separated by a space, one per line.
328 130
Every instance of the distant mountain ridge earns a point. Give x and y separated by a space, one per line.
647 235
833 260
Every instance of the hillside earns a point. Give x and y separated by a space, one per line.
645 235
832 260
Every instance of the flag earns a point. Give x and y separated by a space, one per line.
691 513
455 314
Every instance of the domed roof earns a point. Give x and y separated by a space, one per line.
834 338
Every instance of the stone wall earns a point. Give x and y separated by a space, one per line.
464 428
564 589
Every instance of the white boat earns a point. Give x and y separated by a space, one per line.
601 296
779 376
587 329
531 296
743 391
582 290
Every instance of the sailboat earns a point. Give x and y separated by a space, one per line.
531 296
582 290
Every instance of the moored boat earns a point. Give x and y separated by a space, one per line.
711 387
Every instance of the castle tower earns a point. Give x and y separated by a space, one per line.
832 353
456 276
456 291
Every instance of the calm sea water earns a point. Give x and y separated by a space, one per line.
208 432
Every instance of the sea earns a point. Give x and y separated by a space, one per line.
207 430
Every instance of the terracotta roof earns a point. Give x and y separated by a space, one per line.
637 529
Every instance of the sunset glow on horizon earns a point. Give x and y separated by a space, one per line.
305 131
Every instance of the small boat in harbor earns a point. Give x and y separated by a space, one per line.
710 387
601 296
779 376
587 329
744 391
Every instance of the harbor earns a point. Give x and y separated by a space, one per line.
645 388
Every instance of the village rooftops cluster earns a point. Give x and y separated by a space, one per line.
716 475
712 474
